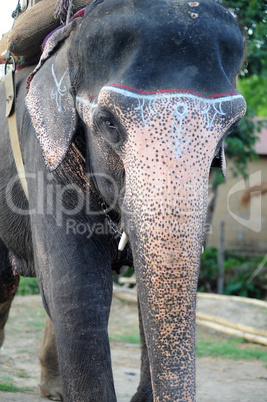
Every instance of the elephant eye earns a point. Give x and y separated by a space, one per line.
109 129
107 125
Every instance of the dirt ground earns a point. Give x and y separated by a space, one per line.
218 380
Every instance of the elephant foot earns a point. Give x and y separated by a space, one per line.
144 395
4 310
52 392
51 384
9 282
2 336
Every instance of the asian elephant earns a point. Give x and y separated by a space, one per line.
123 116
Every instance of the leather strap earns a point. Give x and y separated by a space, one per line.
12 126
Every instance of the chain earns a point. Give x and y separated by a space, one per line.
111 224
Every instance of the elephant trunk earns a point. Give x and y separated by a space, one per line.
166 235
167 160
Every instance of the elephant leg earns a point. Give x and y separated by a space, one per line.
144 392
77 293
9 282
4 311
51 384
80 318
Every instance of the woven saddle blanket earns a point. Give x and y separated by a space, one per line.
31 27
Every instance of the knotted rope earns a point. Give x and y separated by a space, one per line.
63 10
17 11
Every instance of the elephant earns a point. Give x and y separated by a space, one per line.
119 125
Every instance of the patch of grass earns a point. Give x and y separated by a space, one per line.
127 333
23 351
126 338
6 384
13 388
230 349
27 320
6 379
30 351
22 375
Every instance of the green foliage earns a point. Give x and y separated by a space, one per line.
230 349
252 18
128 273
238 270
254 88
209 262
207 280
240 144
234 261
240 287
217 178
28 286
252 83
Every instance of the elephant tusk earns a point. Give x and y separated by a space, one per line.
123 242
223 161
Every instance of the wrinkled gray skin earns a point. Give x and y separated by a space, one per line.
130 105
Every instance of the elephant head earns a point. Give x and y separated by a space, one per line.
153 85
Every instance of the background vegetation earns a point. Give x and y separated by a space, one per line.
28 286
238 274
252 83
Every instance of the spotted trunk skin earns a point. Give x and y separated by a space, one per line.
171 141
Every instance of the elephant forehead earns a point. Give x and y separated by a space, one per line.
181 126
173 109
162 42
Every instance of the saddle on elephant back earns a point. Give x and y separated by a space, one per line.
33 22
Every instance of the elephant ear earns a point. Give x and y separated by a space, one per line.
49 101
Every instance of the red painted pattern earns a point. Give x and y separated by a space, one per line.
186 91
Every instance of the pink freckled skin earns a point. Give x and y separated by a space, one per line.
164 212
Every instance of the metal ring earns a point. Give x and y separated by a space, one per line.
13 63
